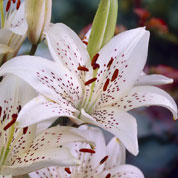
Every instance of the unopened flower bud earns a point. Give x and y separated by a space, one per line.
38 16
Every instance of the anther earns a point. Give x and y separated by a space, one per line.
25 129
82 68
115 74
110 63
108 175
94 59
106 85
104 160
8 5
90 81
96 66
14 117
67 170
86 150
14 1
85 42
18 4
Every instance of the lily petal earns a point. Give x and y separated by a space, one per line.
5 49
121 62
66 47
117 154
124 171
147 96
48 149
13 97
45 77
117 122
16 22
40 109
153 79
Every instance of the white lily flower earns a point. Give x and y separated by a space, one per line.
105 161
100 92
144 79
13 30
38 15
21 151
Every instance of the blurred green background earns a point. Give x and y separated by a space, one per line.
158 133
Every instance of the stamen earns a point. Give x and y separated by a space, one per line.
18 4
108 176
14 117
110 62
86 150
14 1
106 85
96 66
85 42
83 68
104 159
67 170
90 81
25 129
8 5
115 74
94 59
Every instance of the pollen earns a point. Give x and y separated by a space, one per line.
86 150
104 160
110 63
108 175
82 68
90 81
18 4
25 129
115 75
95 58
8 5
14 117
106 85
67 170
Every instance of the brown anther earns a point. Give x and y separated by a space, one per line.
14 117
67 170
90 81
96 66
106 85
115 74
86 150
25 129
94 59
85 42
108 175
14 1
82 68
104 160
18 4
8 5
110 63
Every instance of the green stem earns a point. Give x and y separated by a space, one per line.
2 13
33 49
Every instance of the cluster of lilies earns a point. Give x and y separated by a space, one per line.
94 82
